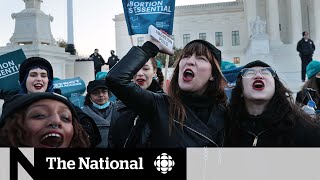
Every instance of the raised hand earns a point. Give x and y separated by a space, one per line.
161 47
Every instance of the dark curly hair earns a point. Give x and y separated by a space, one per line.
14 133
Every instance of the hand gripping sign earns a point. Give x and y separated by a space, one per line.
165 40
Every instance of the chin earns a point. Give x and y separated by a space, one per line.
261 99
144 87
40 90
184 87
187 89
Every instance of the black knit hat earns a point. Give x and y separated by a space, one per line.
21 101
93 85
31 62
256 63
216 52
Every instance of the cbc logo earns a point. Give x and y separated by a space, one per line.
164 163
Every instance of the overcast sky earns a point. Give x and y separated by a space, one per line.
93 24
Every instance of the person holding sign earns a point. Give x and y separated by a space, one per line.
193 112
41 120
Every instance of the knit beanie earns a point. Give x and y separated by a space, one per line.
216 52
32 62
95 84
22 101
101 75
256 63
313 68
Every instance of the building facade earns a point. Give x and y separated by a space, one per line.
232 27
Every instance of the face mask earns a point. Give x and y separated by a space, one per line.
103 106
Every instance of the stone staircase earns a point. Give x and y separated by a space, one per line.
288 66
287 63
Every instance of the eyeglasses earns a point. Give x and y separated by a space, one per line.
265 72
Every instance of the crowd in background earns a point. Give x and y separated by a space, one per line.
194 110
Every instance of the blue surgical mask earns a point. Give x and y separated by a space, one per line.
103 106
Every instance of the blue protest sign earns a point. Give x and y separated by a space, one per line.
232 74
70 86
225 66
140 14
9 70
77 100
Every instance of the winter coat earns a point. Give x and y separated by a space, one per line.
112 60
154 107
305 48
101 120
272 128
89 125
127 129
97 60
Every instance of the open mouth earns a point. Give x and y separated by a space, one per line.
140 81
258 85
38 86
188 75
53 140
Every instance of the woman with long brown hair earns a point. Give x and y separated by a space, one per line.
193 112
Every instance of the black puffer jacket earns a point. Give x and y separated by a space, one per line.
154 107
127 130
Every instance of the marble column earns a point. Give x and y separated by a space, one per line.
251 13
70 44
296 20
70 21
316 6
273 22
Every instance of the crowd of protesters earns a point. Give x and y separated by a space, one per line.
194 111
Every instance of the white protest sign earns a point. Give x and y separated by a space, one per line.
166 41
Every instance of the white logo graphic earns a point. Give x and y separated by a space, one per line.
164 163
